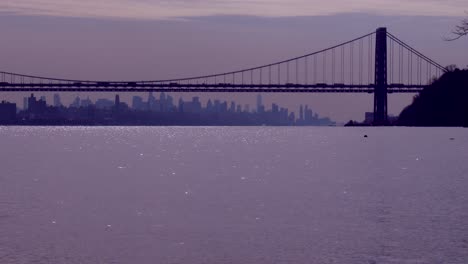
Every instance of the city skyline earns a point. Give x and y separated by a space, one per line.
156 110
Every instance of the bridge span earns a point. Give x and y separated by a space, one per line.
377 63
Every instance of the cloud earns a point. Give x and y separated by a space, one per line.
173 9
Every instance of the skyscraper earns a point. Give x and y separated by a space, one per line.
162 100
117 102
57 101
151 101
232 108
181 105
209 106
301 113
259 104
25 103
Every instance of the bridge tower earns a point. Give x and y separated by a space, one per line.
380 88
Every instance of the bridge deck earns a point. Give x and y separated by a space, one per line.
215 88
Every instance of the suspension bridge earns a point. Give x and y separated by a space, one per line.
377 62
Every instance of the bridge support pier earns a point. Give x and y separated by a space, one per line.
380 88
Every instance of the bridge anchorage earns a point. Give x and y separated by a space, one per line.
377 62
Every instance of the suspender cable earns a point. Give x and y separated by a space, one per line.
279 74
333 66
351 50
297 71
324 67
361 60
261 75
410 67
269 75
342 63
315 69
401 64
369 62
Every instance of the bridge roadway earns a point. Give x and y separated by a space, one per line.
205 88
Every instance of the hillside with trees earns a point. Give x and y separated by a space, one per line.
443 103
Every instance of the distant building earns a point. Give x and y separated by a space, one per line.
223 107
76 103
151 102
274 108
181 105
301 113
138 104
86 102
57 101
169 104
292 118
217 106
209 106
369 118
117 102
104 104
36 108
163 103
260 108
232 108
7 112
192 107
25 103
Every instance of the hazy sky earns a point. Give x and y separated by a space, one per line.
154 39
164 9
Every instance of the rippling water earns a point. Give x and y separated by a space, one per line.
233 195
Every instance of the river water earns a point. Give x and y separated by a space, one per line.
200 195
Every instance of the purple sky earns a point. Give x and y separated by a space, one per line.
154 39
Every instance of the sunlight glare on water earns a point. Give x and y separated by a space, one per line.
233 195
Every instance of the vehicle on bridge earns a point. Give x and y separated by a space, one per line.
103 83
395 85
321 85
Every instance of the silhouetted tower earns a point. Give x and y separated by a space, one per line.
117 102
380 92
